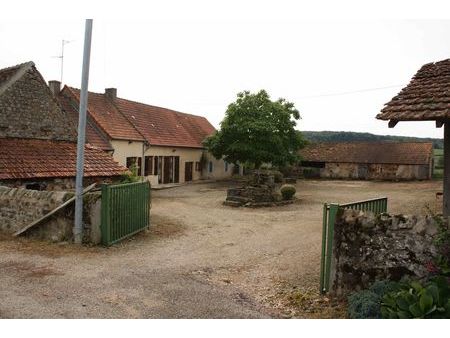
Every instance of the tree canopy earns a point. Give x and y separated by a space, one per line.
257 130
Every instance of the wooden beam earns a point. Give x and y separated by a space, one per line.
32 224
392 123
439 123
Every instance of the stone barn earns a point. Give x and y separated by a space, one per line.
38 148
368 160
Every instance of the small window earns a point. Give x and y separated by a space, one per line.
35 186
148 169
226 166
198 166
134 162
210 166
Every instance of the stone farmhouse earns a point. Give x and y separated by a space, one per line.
368 160
37 139
164 145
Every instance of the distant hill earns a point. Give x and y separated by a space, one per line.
349 136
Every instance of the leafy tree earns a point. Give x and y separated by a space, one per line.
256 130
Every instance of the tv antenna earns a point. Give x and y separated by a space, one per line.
63 43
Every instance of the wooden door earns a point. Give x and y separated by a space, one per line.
188 166
166 174
177 169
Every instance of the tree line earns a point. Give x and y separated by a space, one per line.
349 136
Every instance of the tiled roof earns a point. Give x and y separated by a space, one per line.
107 117
93 135
427 96
129 120
32 158
369 152
166 127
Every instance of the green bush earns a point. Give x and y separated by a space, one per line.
287 191
366 304
414 300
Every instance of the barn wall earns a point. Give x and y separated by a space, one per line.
340 170
373 171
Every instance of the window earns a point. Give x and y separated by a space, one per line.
210 167
198 166
226 166
148 169
134 162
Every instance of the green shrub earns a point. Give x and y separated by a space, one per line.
287 191
414 300
132 176
366 304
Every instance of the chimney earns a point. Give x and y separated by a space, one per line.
55 87
111 93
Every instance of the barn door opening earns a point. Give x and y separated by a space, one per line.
188 166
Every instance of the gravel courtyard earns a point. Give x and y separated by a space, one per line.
199 260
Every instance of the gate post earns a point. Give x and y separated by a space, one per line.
105 221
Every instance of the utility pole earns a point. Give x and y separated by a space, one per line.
78 227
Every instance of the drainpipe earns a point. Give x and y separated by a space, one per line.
145 147
78 226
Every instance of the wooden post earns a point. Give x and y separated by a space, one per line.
446 206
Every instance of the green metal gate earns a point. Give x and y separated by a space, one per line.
125 210
330 211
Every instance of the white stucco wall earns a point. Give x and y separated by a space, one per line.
124 149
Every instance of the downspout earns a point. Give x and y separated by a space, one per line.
145 147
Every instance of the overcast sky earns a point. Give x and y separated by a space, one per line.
199 66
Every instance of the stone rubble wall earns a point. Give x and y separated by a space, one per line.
367 248
20 207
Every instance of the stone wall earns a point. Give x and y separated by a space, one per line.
29 110
56 184
370 171
19 207
368 248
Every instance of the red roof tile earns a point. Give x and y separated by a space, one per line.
427 96
93 135
32 158
107 117
369 152
166 127
129 120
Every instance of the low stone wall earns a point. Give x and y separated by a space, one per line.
368 248
19 207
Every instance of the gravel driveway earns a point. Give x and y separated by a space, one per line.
199 260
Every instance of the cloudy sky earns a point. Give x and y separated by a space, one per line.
339 73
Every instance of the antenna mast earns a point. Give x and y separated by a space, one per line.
64 42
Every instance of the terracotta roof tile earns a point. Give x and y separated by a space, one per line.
107 117
369 152
93 135
166 127
427 96
32 158
129 120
